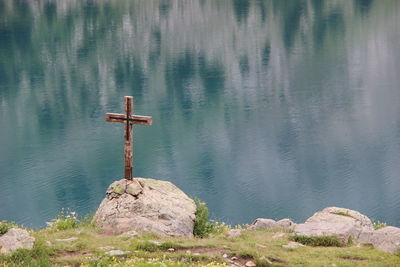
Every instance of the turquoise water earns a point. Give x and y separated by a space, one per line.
260 108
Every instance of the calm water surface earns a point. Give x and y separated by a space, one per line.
260 108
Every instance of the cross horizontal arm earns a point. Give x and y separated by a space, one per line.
134 119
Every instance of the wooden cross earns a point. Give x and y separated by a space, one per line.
128 119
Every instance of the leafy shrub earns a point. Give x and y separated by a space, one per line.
65 220
202 226
5 226
316 241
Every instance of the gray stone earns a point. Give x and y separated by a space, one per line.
285 224
117 187
250 264
386 239
262 223
293 245
14 239
341 215
161 208
134 189
116 253
234 232
340 222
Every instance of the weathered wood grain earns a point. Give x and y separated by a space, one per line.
128 119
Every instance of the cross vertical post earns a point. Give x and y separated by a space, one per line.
128 119
128 139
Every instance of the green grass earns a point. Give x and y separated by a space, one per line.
5 226
152 246
318 241
151 250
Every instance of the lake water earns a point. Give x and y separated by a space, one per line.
260 108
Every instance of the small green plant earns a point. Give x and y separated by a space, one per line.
5 226
87 221
318 241
65 220
378 225
220 227
202 226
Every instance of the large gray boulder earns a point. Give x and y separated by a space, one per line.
14 239
386 239
146 205
333 221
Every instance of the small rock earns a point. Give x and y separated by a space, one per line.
225 256
250 264
188 252
116 253
293 245
234 232
14 239
48 243
129 234
171 249
71 239
262 223
278 235
196 254
134 188
234 258
117 187
260 246
106 248
285 224
155 242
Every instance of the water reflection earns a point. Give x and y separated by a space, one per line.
261 108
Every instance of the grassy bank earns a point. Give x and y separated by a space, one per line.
68 241
264 247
